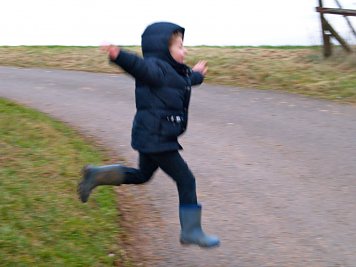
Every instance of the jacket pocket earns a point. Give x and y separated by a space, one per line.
170 128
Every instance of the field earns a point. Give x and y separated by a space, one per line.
301 70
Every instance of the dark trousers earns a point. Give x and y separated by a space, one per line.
172 164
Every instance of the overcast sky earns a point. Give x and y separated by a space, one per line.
207 22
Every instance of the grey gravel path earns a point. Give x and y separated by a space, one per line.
276 173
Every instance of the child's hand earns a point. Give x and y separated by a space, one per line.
113 51
201 67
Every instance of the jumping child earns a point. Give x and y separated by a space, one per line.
163 89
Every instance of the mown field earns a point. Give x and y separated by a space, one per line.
301 70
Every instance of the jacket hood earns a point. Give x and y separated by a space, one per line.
155 42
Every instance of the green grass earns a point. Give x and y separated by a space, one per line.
42 222
295 69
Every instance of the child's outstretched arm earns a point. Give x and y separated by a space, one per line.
134 65
201 66
111 50
199 71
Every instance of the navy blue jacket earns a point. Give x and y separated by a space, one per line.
163 88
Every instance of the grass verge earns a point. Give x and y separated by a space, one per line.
42 221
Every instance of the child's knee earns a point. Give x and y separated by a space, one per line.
143 179
135 176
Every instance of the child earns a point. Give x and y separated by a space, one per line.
163 88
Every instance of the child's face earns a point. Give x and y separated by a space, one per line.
177 49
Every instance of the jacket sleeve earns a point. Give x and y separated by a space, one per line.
196 78
147 71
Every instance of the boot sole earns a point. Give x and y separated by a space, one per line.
81 188
187 244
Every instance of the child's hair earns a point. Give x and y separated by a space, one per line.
175 35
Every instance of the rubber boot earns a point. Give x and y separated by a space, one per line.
95 176
191 232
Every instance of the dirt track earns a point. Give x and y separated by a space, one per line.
275 172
